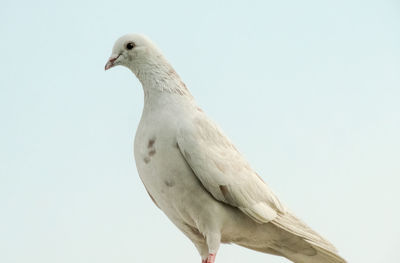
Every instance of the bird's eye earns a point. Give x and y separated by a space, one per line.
130 45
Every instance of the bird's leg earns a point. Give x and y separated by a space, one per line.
204 261
210 259
213 240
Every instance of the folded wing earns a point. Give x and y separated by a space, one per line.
224 172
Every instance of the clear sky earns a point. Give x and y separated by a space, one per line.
309 91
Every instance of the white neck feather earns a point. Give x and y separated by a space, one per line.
158 75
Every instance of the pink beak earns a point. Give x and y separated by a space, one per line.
110 62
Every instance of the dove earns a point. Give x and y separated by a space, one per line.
197 177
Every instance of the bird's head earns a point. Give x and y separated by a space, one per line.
146 61
131 51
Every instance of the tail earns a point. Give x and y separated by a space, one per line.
301 244
320 256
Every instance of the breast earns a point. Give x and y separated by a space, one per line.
163 170
165 173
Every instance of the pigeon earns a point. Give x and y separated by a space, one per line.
198 178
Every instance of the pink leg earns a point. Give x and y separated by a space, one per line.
211 258
204 261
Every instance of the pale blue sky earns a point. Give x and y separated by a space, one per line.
308 90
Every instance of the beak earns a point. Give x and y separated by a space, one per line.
111 61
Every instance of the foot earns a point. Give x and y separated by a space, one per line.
210 259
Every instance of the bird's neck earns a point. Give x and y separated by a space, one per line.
160 77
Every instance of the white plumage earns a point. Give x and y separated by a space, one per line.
194 173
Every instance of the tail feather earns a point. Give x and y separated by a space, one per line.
319 249
328 256
321 256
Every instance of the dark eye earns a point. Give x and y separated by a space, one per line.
130 45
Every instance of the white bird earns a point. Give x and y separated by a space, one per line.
197 177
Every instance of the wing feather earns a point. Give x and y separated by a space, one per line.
224 172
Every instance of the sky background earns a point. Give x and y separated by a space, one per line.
309 91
